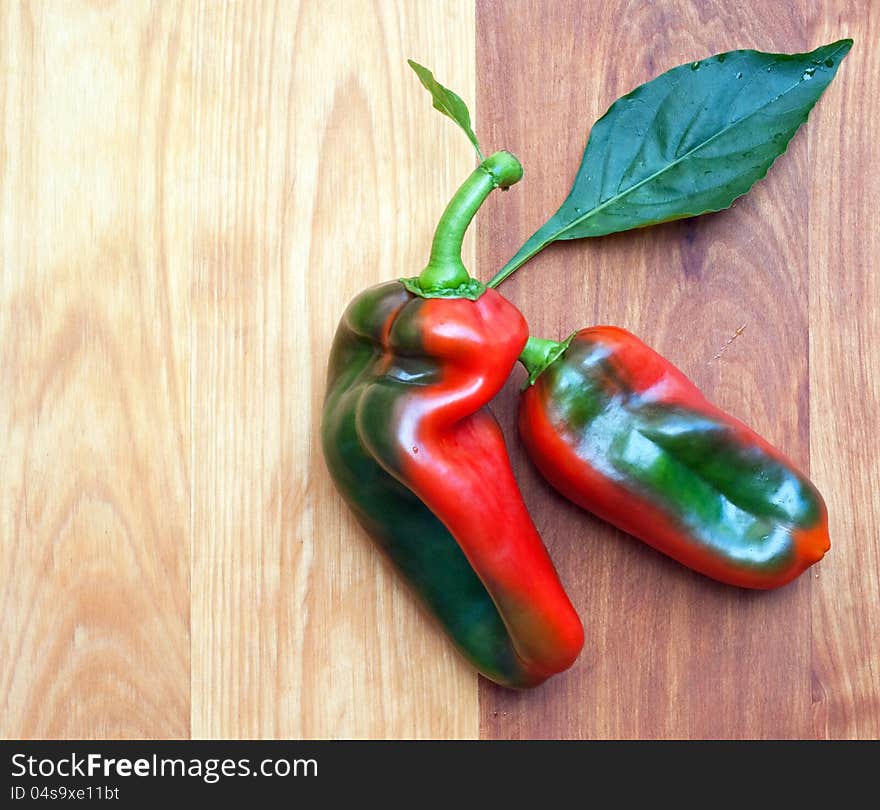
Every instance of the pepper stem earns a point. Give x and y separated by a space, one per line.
445 273
539 353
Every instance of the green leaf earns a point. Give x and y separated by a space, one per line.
688 142
447 102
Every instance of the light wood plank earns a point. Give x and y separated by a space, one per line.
845 380
322 169
94 339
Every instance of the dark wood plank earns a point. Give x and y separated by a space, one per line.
668 653
844 372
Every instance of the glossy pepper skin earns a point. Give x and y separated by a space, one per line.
424 467
622 432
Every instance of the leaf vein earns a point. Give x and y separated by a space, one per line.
605 203
646 132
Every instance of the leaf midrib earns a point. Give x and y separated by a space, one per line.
593 211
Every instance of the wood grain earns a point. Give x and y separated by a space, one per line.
845 383
725 297
191 192
321 170
94 358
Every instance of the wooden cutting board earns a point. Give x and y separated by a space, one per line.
189 195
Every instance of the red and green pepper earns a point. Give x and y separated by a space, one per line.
424 465
611 424
622 432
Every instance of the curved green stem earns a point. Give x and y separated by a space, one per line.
445 274
539 353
